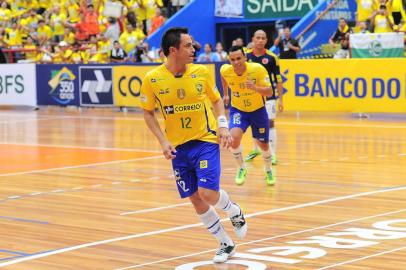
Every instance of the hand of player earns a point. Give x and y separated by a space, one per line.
225 137
280 105
168 150
226 100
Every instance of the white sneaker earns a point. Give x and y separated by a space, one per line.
223 253
239 225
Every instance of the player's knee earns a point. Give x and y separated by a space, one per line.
235 144
209 196
264 146
271 123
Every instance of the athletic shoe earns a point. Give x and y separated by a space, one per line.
239 225
252 155
240 178
270 178
223 253
274 160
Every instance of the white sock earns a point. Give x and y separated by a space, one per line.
237 154
212 222
272 140
224 203
254 141
266 155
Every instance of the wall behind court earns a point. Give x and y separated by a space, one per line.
354 85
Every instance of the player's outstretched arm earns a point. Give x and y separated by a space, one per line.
167 149
226 97
223 132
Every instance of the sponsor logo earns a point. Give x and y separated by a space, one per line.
169 109
284 76
132 86
176 173
96 86
346 87
203 164
199 88
62 86
204 180
377 235
184 108
143 98
236 94
163 91
181 93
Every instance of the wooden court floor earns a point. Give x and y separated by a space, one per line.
90 190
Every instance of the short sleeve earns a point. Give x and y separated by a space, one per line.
147 98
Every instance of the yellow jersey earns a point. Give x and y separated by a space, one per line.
365 8
242 98
381 24
184 102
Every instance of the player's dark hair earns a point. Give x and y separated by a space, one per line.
171 38
237 48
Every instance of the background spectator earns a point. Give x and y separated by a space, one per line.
382 22
342 30
288 46
220 53
208 55
117 54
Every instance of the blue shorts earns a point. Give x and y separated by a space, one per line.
258 120
197 164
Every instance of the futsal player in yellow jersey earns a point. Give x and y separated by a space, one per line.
185 93
249 84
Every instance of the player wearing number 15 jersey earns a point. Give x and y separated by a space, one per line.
249 84
185 94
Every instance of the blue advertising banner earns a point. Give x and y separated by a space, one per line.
96 85
57 85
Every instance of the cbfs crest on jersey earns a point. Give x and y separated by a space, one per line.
96 86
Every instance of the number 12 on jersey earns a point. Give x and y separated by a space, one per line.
185 121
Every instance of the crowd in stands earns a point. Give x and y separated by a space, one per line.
82 31
372 16
86 31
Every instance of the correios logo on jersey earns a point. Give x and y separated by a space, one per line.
62 86
183 108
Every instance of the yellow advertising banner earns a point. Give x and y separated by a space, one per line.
352 85
127 82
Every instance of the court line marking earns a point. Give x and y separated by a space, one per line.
34 119
80 166
154 209
179 228
279 122
24 220
82 147
265 239
362 258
